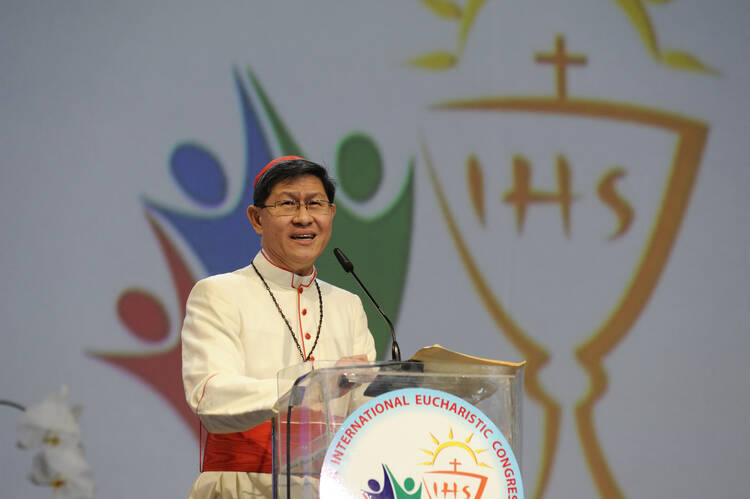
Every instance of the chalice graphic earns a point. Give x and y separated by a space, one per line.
671 154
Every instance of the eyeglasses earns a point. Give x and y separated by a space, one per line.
289 207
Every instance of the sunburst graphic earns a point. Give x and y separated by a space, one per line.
454 443
442 482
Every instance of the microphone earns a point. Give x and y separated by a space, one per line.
348 267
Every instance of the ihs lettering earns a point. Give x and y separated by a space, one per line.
522 194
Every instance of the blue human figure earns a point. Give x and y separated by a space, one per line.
378 492
219 235
221 241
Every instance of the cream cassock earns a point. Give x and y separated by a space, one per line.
234 342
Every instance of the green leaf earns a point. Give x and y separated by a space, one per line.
443 8
467 21
682 60
642 23
435 61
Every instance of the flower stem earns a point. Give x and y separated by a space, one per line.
12 404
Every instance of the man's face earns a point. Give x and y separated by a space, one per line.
294 242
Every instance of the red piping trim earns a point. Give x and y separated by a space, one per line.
315 274
205 385
200 425
301 333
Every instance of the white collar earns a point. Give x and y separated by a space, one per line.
281 276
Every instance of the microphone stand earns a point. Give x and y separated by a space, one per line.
348 267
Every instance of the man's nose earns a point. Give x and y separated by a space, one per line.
302 216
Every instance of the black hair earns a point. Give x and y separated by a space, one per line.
288 170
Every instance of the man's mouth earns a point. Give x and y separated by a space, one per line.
303 236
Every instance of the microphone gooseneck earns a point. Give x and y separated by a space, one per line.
348 267
346 264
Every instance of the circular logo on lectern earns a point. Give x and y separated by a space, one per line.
419 443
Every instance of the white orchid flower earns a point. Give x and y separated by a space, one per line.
65 470
51 422
53 426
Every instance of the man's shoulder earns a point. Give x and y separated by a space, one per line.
328 288
236 279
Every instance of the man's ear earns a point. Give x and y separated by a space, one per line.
253 214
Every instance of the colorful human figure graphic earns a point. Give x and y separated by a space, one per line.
219 238
391 489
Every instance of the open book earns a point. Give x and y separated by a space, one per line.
437 355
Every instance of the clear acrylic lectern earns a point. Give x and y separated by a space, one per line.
316 398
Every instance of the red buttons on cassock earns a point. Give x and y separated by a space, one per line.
312 358
307 336
299 289
304 311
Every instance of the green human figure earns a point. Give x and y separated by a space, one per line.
409 484
378 245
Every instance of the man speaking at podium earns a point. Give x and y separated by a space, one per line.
241 328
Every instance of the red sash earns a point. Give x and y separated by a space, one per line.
248 450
